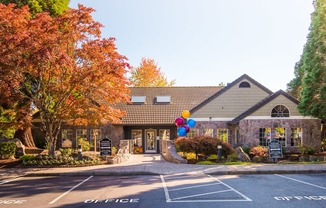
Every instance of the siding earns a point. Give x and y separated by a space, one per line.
232 102
280 100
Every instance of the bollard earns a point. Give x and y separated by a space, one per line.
80 151
219 153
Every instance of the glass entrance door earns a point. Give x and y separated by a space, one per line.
150 141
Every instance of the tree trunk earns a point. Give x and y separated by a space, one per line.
51 149
25 136
323 132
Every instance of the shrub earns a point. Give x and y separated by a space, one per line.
26 158
246 149
203 145
256 159
7 149
259 151
183 144
65 152
232 158
86 146
307 150
114 150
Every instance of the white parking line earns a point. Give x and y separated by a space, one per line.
190 187
166 191
67 192
310 184
181 199
8 181
204 194
245 197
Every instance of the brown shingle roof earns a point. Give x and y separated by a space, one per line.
182 98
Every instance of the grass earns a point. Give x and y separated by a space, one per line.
206 162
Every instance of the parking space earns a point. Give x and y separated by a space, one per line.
166 191
194 188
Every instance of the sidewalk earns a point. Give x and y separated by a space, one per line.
156 165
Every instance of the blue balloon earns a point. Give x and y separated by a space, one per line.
191 123
182 131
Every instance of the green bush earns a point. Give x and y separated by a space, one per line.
7 149
246 149
86 146
232 158
307 150
26 158
65 152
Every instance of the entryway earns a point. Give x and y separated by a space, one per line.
150 141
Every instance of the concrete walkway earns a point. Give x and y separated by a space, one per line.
156 165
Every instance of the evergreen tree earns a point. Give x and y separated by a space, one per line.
309 84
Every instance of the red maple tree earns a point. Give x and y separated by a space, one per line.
62 66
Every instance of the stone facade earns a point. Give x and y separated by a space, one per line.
311 134
115 133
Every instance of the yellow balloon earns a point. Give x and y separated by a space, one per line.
185 114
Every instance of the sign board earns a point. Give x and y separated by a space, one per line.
105 147
275 149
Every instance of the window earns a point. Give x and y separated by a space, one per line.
296 137
137 137
95 137
67 137
264 136
280 135
164 134
163 99
138 99
222 134
193 132
244 85
280 111
208 132
81 133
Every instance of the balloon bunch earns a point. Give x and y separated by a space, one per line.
184 124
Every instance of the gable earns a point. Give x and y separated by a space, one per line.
262 109
279 100
233 100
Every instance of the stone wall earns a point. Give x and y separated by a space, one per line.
115 133
311 134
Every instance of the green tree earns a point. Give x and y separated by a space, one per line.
54 7
309 84
148 74
294 86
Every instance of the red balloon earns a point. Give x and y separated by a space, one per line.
179 121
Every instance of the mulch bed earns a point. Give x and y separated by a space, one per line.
9 163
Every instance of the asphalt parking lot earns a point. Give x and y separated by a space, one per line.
177 190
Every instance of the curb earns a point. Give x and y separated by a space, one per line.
92 174
147 173
265 172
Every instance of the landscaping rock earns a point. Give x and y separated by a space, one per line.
242 155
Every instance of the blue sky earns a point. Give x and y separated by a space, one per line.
206 42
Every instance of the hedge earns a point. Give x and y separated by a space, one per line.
205 145
7 149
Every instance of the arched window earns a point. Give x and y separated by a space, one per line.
244 85
280 111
